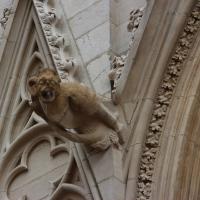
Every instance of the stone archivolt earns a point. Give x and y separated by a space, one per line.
162 102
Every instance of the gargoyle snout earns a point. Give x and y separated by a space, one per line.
47 94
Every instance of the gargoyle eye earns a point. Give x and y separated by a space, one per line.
42 81
31 82
53 82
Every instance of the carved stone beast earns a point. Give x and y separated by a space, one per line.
71 105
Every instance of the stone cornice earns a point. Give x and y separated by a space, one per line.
162 102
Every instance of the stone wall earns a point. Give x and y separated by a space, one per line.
154 75
4 4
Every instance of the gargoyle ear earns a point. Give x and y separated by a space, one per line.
56 75
32 82
58 79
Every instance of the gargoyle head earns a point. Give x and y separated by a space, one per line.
45 85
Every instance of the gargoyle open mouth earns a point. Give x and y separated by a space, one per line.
48 95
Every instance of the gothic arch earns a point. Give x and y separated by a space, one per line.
148 82
180 141
35 62
22 149
23 116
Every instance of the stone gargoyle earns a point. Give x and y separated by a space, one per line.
74 111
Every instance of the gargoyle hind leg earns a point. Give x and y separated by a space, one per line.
110 120
87 138
74 137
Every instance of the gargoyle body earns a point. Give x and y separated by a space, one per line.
71 105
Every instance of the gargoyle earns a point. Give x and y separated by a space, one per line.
71 105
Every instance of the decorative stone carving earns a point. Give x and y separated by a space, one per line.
134 21
4 18
164 96
66 67
74 106
21 164
118 62
117 65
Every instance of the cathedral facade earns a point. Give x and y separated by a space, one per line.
142 59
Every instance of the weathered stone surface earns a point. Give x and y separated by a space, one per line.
95 42
90 18
98 71
157 97
74 7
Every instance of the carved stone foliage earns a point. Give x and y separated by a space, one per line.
162 103
59 44
117 65
134 21
4 18
118 62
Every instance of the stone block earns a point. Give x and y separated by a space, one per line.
102 84
131 184
115 191
114 15
72 7
102 171
90 18
106 164
98 66
98 71
120 38
94 43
